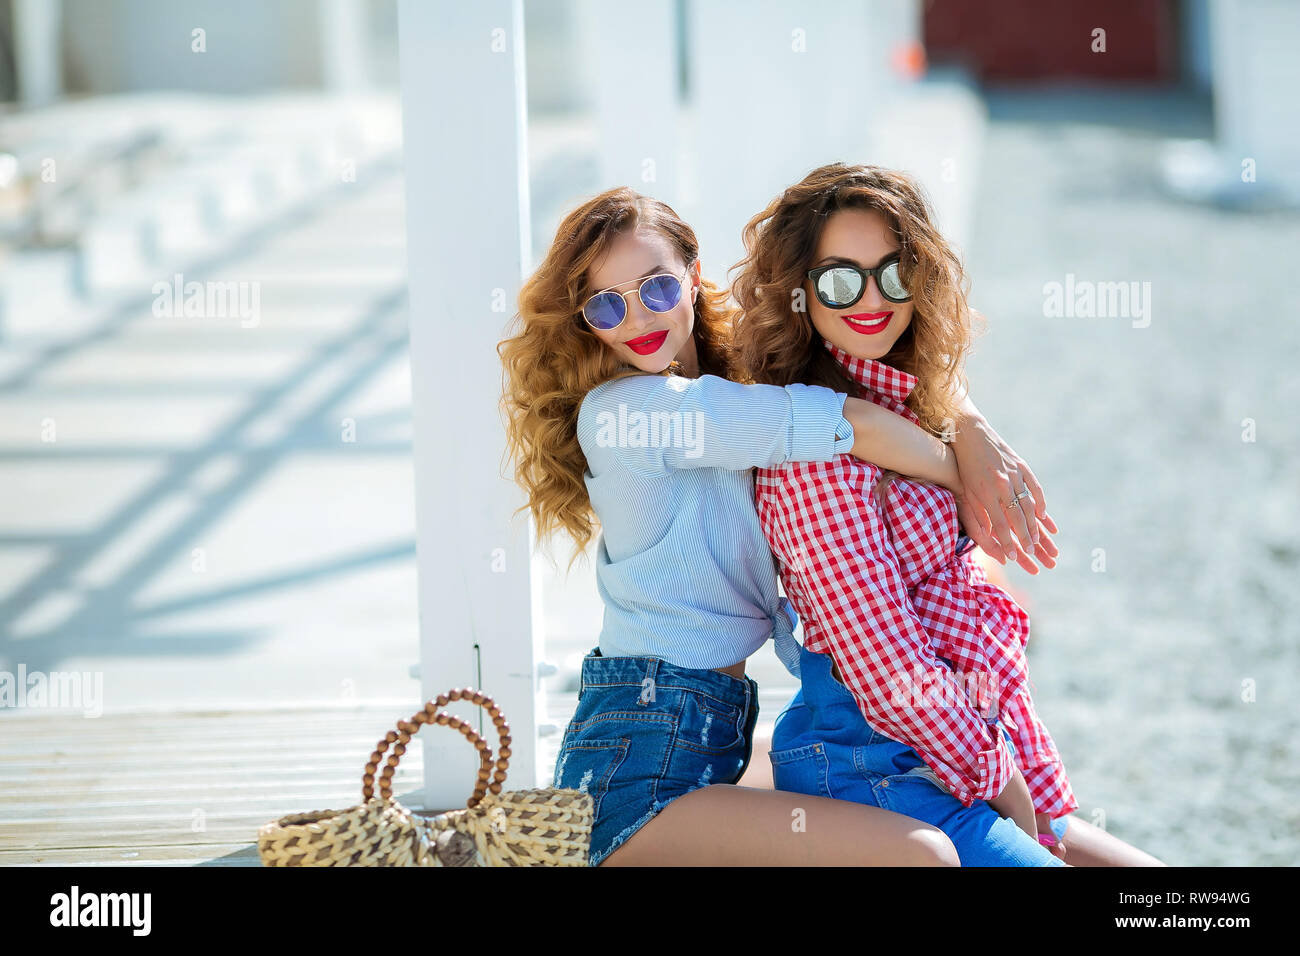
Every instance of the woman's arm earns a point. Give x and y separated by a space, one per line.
891 442
653 424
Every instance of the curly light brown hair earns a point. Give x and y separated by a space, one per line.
775 340
553 359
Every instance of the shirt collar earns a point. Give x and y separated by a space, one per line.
875 375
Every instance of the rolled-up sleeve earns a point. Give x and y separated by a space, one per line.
654 424
818 429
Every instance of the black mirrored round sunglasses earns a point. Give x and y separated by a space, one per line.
841 284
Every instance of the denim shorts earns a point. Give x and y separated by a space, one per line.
646 732
822 745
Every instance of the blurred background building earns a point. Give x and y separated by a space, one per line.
206 426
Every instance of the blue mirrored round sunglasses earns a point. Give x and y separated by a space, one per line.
659 293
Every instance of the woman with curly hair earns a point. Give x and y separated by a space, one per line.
915 691
620 411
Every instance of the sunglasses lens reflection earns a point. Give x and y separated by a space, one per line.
661 293
891 282
605 310
839 287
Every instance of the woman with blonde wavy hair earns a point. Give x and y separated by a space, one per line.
915 692
620 412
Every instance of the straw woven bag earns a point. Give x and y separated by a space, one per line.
543 827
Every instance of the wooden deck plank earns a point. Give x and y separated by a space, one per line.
208 854
16 769
129 788
122 789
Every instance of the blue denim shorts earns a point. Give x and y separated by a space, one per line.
646 732
822 745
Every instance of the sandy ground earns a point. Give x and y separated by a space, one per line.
1167 674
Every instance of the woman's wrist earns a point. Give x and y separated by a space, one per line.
950 476
968 417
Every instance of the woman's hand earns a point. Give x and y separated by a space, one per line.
1044 823
992 475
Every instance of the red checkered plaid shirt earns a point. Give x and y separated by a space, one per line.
931 650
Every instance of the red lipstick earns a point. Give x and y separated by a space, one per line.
868 323
647 344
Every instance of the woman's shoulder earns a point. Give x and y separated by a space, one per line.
647 391
612 401
627 390
624 387
649 383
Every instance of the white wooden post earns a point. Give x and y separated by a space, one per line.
344 42
462 73
629 61
36 44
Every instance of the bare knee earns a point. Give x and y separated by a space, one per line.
929 846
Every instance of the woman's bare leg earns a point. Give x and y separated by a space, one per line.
1090 845
729 825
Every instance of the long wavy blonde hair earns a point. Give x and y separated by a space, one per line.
776 342
553 359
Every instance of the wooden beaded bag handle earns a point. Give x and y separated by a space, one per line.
432 713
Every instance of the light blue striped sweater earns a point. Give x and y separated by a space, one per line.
682 565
